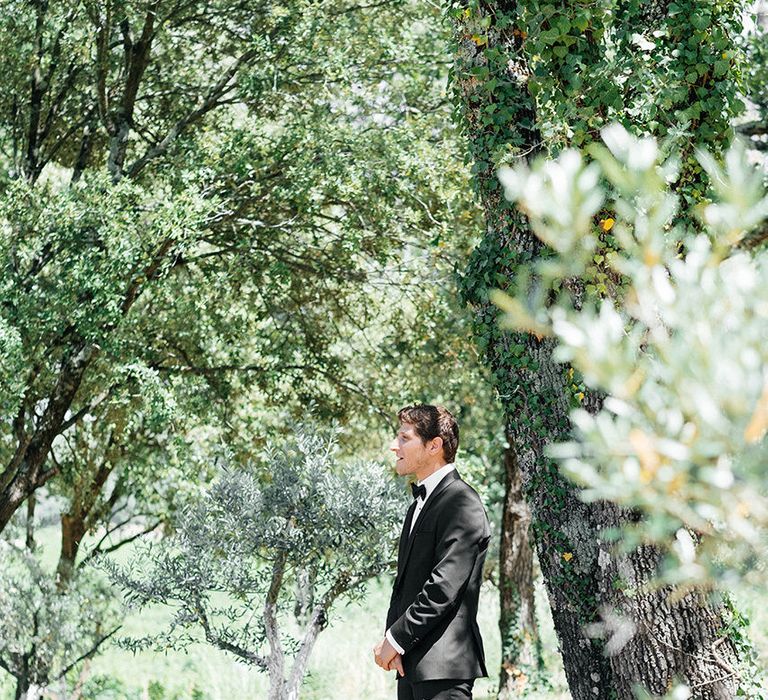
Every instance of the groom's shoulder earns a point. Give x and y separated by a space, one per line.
464 506
461 491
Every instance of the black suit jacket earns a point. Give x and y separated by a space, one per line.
433 609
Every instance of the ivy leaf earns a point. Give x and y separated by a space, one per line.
644 44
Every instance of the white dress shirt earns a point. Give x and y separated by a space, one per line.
430 484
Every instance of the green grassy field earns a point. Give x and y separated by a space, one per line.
341 665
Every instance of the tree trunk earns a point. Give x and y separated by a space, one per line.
21 687
72 532
76 521
278 687
533 386
586 579
521 660
26 471
317 621
30 534
675 634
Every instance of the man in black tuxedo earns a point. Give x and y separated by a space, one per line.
432 639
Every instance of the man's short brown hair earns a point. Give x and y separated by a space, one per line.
430 422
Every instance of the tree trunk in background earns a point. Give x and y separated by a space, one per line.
72 533
521 660
76 521
586 580
30 533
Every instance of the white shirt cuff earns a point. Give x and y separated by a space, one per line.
392 641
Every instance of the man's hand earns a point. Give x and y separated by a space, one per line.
384 653
397 665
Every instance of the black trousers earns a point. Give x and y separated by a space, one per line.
444 689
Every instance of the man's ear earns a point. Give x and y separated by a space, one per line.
436 444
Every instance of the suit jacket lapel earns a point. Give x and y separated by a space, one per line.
402 558
404 542
404 537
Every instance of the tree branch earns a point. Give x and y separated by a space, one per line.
137 59
754 128
357 8
88 654
24 473
38 88
96 550
224 644
210 102
75 417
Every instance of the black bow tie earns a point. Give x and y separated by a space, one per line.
419 491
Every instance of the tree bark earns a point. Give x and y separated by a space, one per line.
675 634
521 659
76 521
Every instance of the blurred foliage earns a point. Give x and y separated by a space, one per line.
46 631
682 358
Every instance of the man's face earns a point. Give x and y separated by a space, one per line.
410 452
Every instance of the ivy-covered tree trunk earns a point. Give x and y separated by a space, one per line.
521 660
490 77
638 638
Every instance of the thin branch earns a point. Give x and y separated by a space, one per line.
209 102
72 72
97 549
754 128
75 417
65 137
224 644
715 680
88 654
357 8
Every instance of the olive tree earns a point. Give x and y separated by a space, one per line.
294 529
45 632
